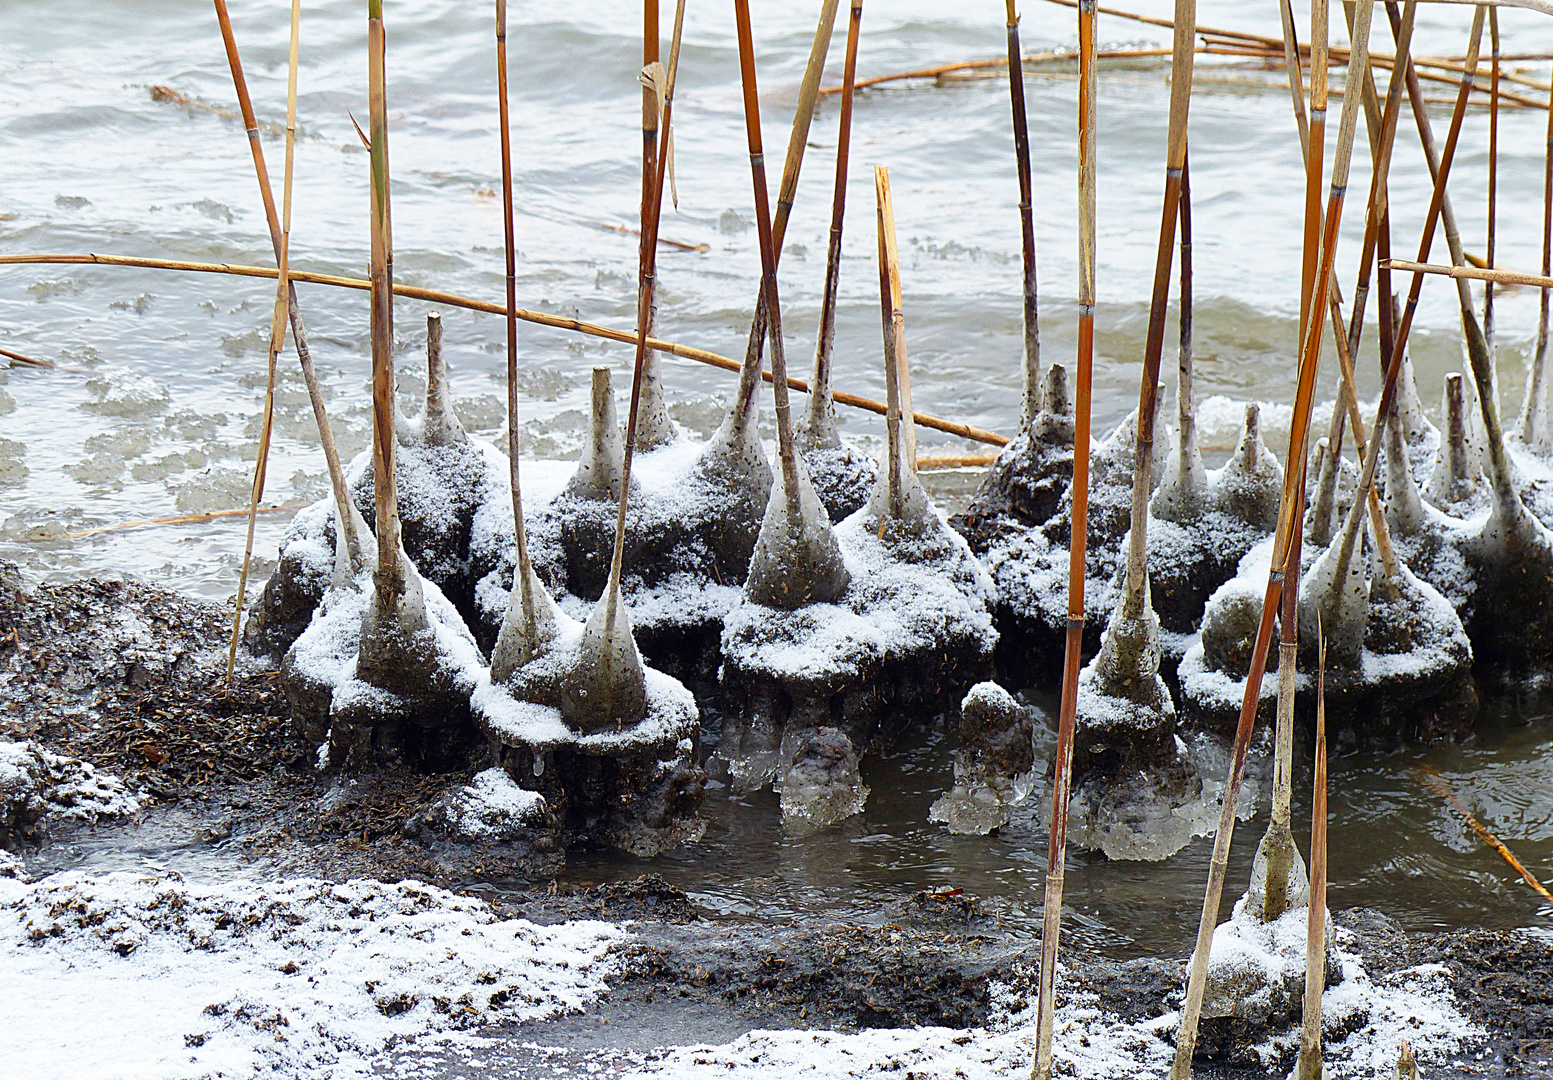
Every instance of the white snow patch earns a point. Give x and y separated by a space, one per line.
125 976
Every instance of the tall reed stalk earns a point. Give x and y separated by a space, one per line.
1309 1064
798 138
1534 412
390 575
1493 177
1032 339
820 429
1062 769
277 333
1290 520
661 84
897 375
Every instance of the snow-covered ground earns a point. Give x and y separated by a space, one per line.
138 976
133 976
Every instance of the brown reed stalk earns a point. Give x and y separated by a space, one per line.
821 422
1493 174
765 227
1309 1064
298 330
20 359
1136 597
540 318
390 570
1290 520
522 579
661 84
1315 149
277 336
1016 95
1436 783
1062 767
897 378
1534 411
798 138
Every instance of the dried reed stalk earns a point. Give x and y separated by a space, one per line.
1032 339
539 318
1436 783
277 335
798 139
20 359
821 420
655 428
896 374
1534 412
1493 175
298 330
181 519
1472 273
390 570
523 574
1290 520
1062 769
1309 1064
661 86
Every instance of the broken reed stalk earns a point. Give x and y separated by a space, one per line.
1289 520
1436 783
389 577
821 420
1472 273
523 573
1309 1065
1032 338
20 359
894 319
798 139
1136 598
1534 413
298 331
539 318
277 335
661 86
1062 769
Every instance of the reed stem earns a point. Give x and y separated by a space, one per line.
390 570
277 337
1534 413
539 318
897 378
798 138
1062 768
822 422
1032 338
1493 177
1309 1064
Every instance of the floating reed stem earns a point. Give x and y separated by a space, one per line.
1309 1064
298 331
1032 339
798 138
182 519
1290 519
20 359
1062 769
654 427
539 318
821 427
277 337
1436 783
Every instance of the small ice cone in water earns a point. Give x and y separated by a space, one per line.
1251 482
439 427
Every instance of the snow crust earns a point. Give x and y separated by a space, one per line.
130 976
491 807
38 783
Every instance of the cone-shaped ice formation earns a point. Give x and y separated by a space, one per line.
1458 467
654 428
529 628
607 689
1027 482
992 765
734 472
439 427
603 455
1250 484
797 560
1318 519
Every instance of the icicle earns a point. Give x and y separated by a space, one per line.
599 470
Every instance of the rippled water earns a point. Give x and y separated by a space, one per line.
153 409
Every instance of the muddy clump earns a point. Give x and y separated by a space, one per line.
994 763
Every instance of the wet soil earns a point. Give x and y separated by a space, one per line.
121 675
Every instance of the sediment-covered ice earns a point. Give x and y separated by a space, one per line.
38 785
